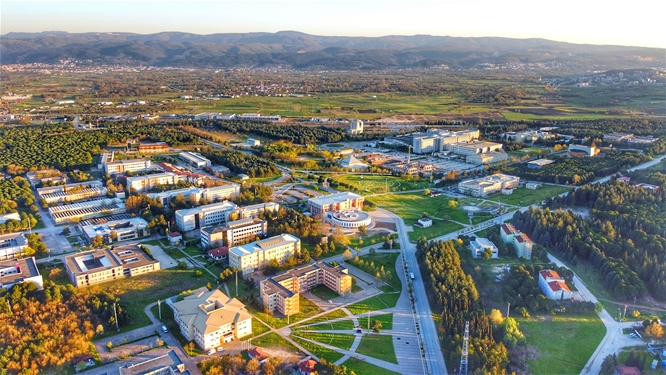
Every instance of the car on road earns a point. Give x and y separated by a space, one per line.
211 351
411 275
164 329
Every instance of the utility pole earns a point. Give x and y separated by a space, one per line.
115 315
368 321
465 351
159 308
508 306
236 283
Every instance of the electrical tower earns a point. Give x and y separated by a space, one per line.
465 351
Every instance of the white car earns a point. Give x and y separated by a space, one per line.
220 349
211 352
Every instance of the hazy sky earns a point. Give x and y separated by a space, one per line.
636 22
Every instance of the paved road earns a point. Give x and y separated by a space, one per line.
433 351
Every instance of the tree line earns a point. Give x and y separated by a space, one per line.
16 196
239 162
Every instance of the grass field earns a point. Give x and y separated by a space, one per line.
564 344
378 346
380 302
318 350
524 197
339 340
379 260
273 340
308 309
335 314
379 184
385 319
324 292
358 240
361 368
338 325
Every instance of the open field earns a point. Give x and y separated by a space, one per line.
380 302
335 314
340 324
362 367
378 346
324 292
387 261
339 340
273 340
385 319
564 344
378 184
525 197
318 350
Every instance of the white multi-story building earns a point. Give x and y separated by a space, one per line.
253 256
71 192
233 233
479 246
435 140
528 136
147 182
355 127
211 318
474 147
194 194
195 159
206 215
484 186
97 266
553 286
255 210
18 271
132 165
12 244
124 229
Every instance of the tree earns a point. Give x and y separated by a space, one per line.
97 242
272 267
453 204
363 230
487 253
495 316
655 330
109 345
426 192
113 235
252 366
190 347
347 254
66 231
376 326
608 365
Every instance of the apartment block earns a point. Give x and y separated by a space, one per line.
98 266
553 285
523 245
18 271
131 165
255 255
211 318
233 233
281 293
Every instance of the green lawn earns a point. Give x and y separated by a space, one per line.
340 325
273 340
379 260
385 319
438 228
378 346
380 302
339 340
378 184
308 309
359 240
335 314
318 350
263 180
361 367
257 329
324 292
524 197
564 345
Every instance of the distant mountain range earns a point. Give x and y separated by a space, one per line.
291 49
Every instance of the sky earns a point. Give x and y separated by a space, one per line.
634 23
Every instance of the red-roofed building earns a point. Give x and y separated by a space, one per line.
553 286
508 232
523 245
307 367
175 237
259 354
218 253
627 370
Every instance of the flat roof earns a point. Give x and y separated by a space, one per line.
153 365
541 162
16 270
334 198
129 256
92 230
265 244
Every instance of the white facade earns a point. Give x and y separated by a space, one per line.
553 286
126 229
195 159
210 214
12 244
256 255
71 192
147 182
10 216
355 127
18 271
479 245
435 140
484 186
474 147
194 194
86 210
121 166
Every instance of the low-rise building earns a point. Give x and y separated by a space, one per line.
479 246
97 266
335 202
484 186
165 364
195 159
48 175
353 163
12 245
474 147
553 286
71 192
206 215
153 148
652 188
533 185
259 354
10 216
255 255
130 165
175 238
281 292
211 318
424 222
539 163
579 151
528 136
486 158
254 210
76 212
234 232
18 271
307 367
355 127
218 253
122 230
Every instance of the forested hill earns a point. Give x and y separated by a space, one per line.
303 51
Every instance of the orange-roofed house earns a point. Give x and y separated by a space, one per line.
307 367
553 286
259 354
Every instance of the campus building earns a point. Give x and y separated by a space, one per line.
528 136
71 192
335 202
12 244
523 245
436 140
153 148
486 158
124 229
255 255
474 147
479 246
206 215
97 266
195 159
355 127
122 166
18 271
76 212
233 233
484 186
580 151
255 210
195 194
48 175
281 293
539 163
211 318
147 182
553 286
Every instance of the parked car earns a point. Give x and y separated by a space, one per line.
211 352
164 329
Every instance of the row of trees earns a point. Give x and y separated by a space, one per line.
240 162
16 197
292 133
